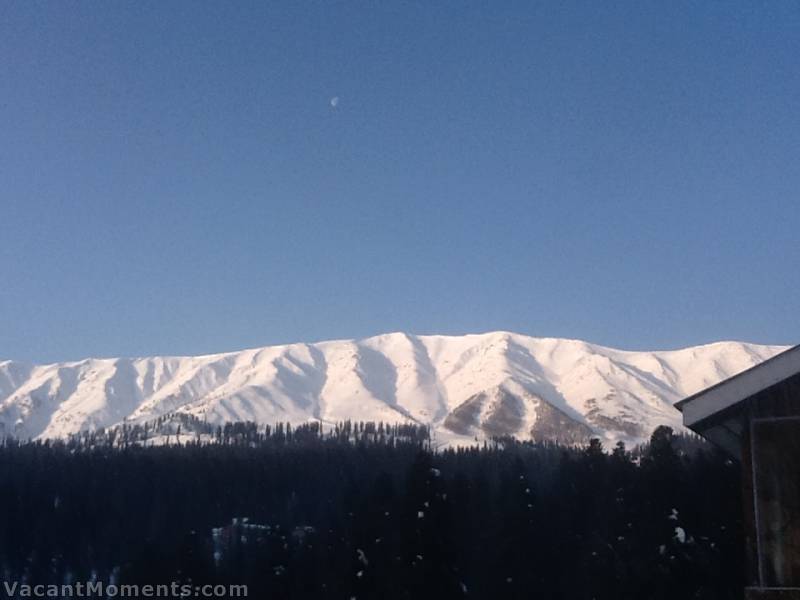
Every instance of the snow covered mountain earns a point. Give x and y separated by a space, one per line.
464 386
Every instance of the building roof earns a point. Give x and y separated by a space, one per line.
710 412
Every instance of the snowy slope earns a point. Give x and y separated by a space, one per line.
465 386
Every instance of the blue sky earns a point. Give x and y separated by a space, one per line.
174 179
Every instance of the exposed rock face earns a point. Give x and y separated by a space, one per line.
499 412
465 418
507 417
553 424
624 423
495 413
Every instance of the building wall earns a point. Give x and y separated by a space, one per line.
771 460
776 489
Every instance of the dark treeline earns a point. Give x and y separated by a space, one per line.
370 512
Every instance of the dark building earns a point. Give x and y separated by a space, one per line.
755 416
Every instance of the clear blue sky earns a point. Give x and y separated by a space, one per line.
174 179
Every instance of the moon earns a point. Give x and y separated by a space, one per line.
335 101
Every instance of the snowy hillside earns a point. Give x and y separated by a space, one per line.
465 386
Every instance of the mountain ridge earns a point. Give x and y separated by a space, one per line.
465 387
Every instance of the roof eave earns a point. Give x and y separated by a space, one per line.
732 391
